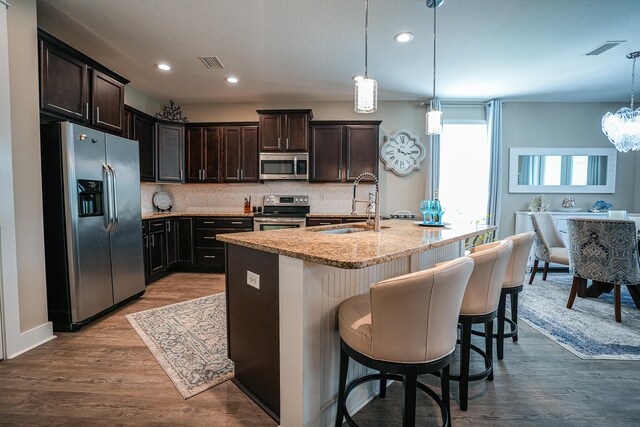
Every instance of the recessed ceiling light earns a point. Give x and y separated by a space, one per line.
232 79
164 67
357 78
403 37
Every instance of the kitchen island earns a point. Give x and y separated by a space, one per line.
283 291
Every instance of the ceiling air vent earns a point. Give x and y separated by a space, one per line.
604 47
212 62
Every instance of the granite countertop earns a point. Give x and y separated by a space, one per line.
157 215
354 250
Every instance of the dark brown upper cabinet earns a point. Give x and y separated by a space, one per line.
284 130
169 152
342 150
141 127
203 153
240 161
75 87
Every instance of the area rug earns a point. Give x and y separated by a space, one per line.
588 330
189 340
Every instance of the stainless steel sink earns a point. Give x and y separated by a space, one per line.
347 230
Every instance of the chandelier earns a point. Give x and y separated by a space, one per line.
366 94
623 127
433 119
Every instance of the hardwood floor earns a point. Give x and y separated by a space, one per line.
104 375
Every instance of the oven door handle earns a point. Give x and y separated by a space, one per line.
280 220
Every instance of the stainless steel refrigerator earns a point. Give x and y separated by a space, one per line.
92 222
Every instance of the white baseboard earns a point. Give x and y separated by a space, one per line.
30 339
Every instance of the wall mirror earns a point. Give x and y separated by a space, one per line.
560 170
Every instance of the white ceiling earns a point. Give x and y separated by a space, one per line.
308 50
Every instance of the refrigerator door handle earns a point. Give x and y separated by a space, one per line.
114 197
107 190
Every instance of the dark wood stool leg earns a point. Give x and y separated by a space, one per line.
574 291
344 366
514 315
501 315
465 353
488 344
383 387
444 384
545 271
533 271
409 406
616 301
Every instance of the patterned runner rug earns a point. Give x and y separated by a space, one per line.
589 329
189 340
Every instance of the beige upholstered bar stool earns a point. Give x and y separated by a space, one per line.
512 285
404 327
480 305
549 244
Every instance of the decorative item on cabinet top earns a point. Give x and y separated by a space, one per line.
402 153
172 113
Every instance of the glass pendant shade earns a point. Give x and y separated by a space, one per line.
434 122
623 127
366 96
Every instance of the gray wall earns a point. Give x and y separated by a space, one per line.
563 125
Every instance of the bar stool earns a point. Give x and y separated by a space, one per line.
512 285
480 305
405 327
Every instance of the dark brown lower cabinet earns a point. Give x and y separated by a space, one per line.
179 242
187 244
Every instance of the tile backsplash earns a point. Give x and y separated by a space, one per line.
324 198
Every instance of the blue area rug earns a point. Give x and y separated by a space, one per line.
589 329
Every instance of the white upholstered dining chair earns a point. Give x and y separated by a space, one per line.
549 246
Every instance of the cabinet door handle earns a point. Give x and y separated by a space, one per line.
180 174
146 241
97 114
241 174
210 256
287 143
278 142
204 174
156 225
169 226
86 112
236 222
325 223
348 173
339 173
153 240
208 222
209 237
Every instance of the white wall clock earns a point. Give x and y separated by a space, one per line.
402 153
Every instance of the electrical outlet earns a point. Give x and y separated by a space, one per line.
253 279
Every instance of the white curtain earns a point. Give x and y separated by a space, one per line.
494 130
433 176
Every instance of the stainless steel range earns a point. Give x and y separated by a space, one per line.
282 212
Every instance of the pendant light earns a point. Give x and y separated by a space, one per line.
366 93
434 117
623 127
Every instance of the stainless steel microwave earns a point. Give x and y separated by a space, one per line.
284 166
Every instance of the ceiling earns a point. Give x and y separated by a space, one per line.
308 50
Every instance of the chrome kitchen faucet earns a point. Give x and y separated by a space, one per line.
369 201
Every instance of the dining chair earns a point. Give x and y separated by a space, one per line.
603 250
549 245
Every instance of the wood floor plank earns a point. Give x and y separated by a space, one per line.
105 375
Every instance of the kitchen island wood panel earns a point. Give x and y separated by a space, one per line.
316 273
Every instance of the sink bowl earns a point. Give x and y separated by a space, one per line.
348 230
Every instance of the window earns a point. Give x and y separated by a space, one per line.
464 172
